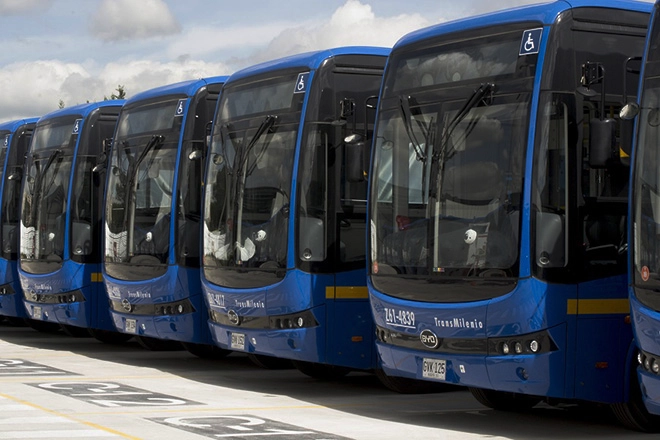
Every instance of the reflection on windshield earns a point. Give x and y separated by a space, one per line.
141 184
248 194
458 216
647 187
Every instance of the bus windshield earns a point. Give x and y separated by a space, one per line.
45 194
647 193
140 185
448 163
249 178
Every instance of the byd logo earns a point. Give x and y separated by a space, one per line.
429 339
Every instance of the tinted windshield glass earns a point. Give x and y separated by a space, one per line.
140 185
46 189
448 166
249 177
647 195
11 192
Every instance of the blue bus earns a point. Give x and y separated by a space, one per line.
283 264
498 205
645 227
60 220
15 136
152 216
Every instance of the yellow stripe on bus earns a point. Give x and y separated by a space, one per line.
346 292
97 277
597 306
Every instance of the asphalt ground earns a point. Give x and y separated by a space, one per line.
55 386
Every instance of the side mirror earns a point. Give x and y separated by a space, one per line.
629 111
602 150
550 249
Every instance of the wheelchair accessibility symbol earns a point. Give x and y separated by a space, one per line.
531 41
76 126
180 107
301 83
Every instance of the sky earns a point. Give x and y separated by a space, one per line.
77 51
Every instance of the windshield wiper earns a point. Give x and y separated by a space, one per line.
129 211
477 97
38 189
404 105
440 157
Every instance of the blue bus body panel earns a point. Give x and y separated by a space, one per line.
178 283
343 334
11 295
534 306
646 323
55 289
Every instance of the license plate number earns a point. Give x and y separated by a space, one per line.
130 326
238 341
434 369
36 313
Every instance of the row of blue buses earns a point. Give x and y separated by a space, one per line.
452 211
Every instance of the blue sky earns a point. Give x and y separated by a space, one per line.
80 50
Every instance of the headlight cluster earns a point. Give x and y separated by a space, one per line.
649 362
47 298
533 343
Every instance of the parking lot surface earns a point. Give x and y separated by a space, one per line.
56 386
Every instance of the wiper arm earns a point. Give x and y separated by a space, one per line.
441 156
475 99
38 184
404 105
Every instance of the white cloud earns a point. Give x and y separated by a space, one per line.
44 83
18 7
352 24
117 20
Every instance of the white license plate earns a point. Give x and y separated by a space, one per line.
238 341
434 369
130 326
36 313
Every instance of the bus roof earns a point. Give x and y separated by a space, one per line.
82 109
12 126
310 60
545 13
188 88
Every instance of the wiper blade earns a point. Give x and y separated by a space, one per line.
404 105
38 184
475 99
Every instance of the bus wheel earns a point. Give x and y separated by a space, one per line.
206 351
76 332
109 337
44 326
15 322
404 385
270 362
321 371
633 414
503 400
155 344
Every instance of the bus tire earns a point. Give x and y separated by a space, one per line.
206 351
321 371
44 326
633 414
270 362
504 400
